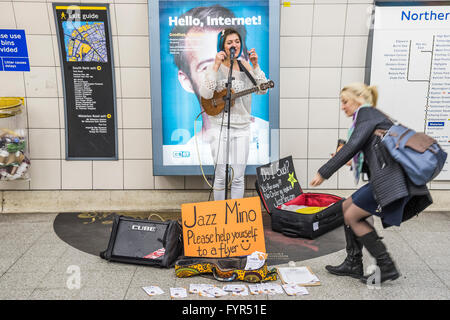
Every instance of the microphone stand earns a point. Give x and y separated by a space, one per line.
227 109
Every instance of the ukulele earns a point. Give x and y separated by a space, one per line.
216 104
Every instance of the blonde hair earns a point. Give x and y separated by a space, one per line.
362 90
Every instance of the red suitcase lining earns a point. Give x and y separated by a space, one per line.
313 200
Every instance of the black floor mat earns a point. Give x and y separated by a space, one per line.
90 231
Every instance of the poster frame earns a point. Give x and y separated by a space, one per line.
159 169
113 78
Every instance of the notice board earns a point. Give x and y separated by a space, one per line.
84 38
225 228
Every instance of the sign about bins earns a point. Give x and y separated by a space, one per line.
13 51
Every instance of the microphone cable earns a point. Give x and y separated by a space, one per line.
212 187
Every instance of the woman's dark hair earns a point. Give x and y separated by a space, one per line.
223 36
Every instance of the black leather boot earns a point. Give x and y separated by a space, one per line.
352 265
373 244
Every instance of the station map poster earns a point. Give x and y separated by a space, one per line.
88 77
183 35
410 65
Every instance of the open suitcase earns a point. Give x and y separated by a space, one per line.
293 212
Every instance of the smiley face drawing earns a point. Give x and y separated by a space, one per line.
245 243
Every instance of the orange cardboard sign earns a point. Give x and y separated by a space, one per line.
226 228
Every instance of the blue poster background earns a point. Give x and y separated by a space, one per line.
180 107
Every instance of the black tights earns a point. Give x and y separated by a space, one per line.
356 218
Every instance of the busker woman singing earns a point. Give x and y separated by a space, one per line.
215 79
389 194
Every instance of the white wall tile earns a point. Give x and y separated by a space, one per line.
295 51
134 51
138 174
296 20
43 113
120 143
119 113
41 82
44 143
97 1
113 20
51 18
313 166
45 174
33 17
360 1
131 1
346 179
442 185
59 82
329 1
15 184
294 2
329 19
325 82
137 143
56 54
40 50
62 137
344 121
354 52
350 75
77 174
294 82
62 119
358 19
7 16
294 142
293 113
169 182
108 174
132 19
135 82
326 51
115 47
301 172
323 113
118 82
136 113
322 143
12 84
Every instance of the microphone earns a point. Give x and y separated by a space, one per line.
232 52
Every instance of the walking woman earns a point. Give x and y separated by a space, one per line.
389 194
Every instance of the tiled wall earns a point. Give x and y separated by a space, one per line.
323 45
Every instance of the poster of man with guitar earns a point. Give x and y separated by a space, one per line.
190 36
